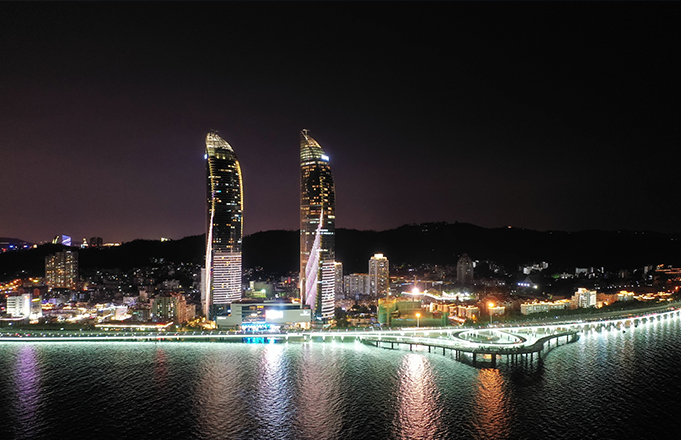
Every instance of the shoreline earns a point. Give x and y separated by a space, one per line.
23 335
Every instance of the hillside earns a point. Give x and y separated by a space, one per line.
434 243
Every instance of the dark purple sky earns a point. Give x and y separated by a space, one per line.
543 116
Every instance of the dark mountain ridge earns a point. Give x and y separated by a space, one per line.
433 243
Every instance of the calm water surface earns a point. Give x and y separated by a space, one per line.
609 385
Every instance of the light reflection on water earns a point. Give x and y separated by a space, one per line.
161 369
273 400
318 394
221 395
418 413
492 418
613 384
28 393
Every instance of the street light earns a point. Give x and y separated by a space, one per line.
490 306
418 315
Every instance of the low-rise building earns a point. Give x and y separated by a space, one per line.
396 312
25 305
624 295
19 306
544 306
263 315
584 298
496 310
468 312
604 299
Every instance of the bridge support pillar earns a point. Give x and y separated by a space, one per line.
494 360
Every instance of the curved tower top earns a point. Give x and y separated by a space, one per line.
317 228
214 141
310 148
224 229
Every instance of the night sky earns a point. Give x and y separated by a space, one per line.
542 116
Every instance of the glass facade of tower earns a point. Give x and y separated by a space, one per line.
225 226
317 229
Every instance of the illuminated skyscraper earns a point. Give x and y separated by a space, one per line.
225 227
317 229
379 276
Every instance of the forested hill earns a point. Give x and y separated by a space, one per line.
434 243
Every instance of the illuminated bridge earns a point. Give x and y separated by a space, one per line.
519 345
479 346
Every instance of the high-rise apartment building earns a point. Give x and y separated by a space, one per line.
356 284
225 227
338 271
169 308
464 270
61 270
96 242
379 276
317 229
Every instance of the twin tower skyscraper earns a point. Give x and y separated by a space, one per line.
224 233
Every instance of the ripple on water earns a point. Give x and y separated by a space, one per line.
607 385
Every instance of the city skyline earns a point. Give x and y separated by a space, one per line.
534 116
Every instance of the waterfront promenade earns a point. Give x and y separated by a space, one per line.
522 344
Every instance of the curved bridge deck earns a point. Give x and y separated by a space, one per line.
520 351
